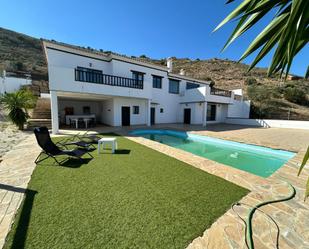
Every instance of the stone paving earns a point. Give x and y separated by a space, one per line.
10 136
15 173
292 217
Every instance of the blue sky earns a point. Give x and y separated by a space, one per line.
156 28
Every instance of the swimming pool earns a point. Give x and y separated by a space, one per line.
254 159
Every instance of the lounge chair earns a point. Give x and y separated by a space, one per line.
50 149
90 138
81 144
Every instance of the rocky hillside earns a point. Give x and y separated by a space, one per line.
19 52
22 53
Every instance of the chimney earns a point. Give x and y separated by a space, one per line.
182 72
169 62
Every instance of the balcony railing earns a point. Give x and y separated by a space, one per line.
105 79
220 92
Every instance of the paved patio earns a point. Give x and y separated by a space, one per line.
292 216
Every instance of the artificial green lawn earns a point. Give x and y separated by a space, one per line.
137 198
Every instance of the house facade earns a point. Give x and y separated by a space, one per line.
118 91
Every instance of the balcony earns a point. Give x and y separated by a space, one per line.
98 77
220 92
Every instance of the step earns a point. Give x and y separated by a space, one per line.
32 123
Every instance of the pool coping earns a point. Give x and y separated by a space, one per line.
257 149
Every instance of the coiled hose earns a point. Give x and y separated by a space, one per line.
249 232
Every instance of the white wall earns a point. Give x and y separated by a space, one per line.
239 109
61 68
222 111
12 84
168 101
193 95
107 116
270 123
135 119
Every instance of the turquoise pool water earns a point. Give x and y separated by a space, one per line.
257 160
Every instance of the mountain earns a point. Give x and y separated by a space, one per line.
271 97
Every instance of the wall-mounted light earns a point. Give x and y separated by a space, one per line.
90 64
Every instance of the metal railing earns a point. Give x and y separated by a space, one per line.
220 92
105 79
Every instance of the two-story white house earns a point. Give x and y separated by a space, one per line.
119 90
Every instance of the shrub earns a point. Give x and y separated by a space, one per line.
250 81
295 95
17 104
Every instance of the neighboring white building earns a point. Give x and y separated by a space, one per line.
120 90
11 82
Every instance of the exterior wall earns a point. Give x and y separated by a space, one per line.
107 115
135 119
270 123
161 98
61 68
218 99
222 111
193 95
196 113
239 109
12 84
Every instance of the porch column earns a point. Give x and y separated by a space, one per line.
204 113
54 112
148 106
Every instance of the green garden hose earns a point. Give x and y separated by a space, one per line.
249 233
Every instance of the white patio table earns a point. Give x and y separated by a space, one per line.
107 140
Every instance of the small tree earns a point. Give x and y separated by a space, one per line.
17 104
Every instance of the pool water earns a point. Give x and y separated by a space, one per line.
257 160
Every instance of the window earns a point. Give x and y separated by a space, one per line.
135 109
86 110
137 75
192 85
161 110
173 86
88 75
211 112
156 81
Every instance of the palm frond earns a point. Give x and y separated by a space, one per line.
285 35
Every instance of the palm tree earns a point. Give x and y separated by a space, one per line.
286 35
17 104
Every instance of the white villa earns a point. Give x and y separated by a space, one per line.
118 91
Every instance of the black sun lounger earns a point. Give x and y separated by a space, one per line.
52 150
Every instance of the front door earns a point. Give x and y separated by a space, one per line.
187 116
152 115
125 115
